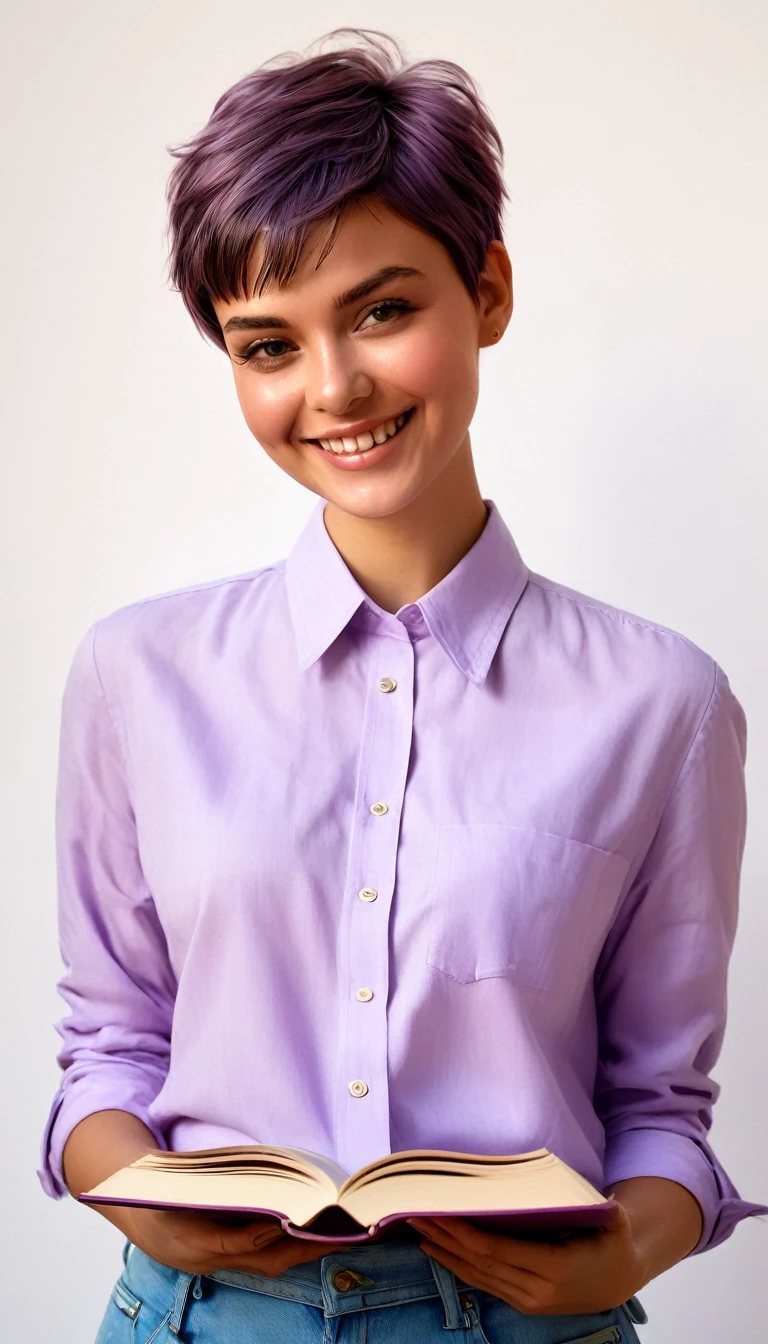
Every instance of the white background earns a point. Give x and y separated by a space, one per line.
621 430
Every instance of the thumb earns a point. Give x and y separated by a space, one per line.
620 1221
241 1240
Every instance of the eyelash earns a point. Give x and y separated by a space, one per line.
250 356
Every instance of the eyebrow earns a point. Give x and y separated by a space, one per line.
256 322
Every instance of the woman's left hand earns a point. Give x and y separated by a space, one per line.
582 1276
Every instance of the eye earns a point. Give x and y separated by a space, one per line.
268 353
384 311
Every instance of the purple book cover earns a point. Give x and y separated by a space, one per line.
575 1219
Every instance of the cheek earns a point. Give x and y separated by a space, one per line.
268 405
441 368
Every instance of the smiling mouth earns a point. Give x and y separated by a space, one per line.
361 443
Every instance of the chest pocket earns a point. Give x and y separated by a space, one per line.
524 904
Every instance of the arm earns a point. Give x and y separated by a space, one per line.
666 1223
121 991
661 981
118 981
99 1146
660 989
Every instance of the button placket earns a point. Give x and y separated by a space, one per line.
363 1127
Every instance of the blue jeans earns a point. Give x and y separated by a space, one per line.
390 1293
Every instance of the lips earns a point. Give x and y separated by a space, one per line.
365 439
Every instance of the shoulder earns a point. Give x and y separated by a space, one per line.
177 621
621 648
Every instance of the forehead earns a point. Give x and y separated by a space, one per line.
369 237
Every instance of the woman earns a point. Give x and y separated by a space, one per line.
392 843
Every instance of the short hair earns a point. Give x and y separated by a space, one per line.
302 136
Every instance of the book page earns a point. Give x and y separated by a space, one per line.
426 1159
323 1170
546 1183
278 1192
336 1174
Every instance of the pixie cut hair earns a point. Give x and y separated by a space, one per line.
299 138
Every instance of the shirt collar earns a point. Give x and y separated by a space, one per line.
466 611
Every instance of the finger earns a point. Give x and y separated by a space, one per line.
271 1260
274 1255
484 1258
228 1241
463 1238
299 1249
460 1235
269 1236
517 1286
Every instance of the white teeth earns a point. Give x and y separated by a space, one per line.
362 442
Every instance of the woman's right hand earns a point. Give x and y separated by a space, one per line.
199 1243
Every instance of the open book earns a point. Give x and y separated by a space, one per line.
314 1198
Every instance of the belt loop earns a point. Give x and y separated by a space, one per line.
180 1302
455 1317
126 1252
635 1311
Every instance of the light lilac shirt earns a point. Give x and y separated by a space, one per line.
464 876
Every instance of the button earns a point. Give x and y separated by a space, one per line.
365 994
387 684
367 893
358 1088
378 809
343 1281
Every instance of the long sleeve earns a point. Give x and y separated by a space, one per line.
662 978
118 982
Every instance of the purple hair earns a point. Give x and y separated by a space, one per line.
300 137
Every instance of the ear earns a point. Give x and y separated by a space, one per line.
495 295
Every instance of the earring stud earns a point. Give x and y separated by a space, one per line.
495 335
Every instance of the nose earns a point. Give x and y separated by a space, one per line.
335 378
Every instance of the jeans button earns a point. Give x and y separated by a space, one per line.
343 1281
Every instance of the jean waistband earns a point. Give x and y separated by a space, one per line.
360 1277
353 1279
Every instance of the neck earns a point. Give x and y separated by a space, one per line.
398 558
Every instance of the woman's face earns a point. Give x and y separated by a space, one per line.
382 336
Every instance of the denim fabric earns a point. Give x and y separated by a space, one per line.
400 1295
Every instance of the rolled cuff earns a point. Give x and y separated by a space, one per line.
662 1152
71 1105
